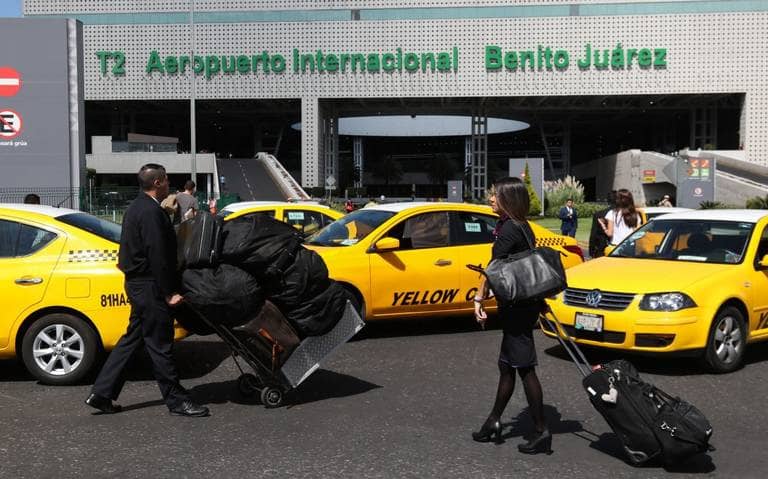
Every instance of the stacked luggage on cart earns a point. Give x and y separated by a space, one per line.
250 281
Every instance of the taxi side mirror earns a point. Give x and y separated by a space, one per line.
608 249
386 244
763 263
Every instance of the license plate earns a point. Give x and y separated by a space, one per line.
589 322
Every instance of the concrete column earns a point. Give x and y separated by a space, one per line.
310 143
358 160
479 171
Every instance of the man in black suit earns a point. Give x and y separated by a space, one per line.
598 240
148 259
569 219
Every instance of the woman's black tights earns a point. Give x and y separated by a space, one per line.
533 394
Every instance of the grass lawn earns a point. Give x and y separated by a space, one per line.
582 232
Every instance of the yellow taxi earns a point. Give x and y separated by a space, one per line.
647 213
63 301
304 216
694 282
409 259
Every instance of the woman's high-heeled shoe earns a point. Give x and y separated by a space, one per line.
542 442
488 431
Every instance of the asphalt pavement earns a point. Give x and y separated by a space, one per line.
400 401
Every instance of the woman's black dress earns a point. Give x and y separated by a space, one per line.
517 319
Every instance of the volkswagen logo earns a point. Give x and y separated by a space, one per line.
594 297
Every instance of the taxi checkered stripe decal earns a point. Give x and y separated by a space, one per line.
92 255
549 242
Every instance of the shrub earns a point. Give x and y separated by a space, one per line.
535 206
556 193
711 205
758 203
586 210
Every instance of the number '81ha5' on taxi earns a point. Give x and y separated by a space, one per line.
693 282
409 259
63 300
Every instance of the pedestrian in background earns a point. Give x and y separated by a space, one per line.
509 199
349 206
187 201
598 239
569 219
147 258
31 199
666 202
623 219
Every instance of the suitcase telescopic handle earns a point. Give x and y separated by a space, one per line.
570 346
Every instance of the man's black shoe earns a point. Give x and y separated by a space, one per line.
106 406
188 408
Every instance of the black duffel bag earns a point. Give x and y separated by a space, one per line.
225 295
530 275
304 279
681 428
317 314
261 245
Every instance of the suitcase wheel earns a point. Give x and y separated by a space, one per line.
271 397
248 385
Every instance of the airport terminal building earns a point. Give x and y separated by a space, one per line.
588 78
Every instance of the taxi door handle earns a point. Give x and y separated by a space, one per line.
27 281
443 262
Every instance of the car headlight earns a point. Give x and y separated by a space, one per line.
666 302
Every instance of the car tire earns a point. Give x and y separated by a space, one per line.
727 341
357 302
59 349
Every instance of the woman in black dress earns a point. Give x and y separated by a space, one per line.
509 199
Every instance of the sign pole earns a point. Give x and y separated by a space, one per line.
192 120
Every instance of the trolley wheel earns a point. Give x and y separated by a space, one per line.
248 384
271 397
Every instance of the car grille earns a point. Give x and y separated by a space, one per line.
608 300
614 337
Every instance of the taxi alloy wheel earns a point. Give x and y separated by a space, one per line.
59 349
727 341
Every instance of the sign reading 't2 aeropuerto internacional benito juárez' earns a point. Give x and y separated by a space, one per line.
398 60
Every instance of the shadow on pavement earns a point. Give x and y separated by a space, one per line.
194 359
608 443
522 424
321 385
391 328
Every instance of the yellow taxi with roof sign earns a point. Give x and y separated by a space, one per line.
409 259
307 217
63 296
693 282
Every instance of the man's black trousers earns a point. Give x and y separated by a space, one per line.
151 326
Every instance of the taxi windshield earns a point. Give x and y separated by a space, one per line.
351 228
101 228
703 241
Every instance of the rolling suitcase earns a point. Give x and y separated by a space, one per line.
198 241
269 336
651 424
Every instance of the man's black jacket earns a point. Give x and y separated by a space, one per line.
148 244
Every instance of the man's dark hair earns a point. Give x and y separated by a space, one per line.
189 185
150 173
32 199
512 197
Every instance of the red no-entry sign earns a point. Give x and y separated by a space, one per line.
10 124
10 81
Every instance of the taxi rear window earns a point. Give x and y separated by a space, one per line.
101 228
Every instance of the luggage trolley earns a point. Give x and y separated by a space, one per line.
272 385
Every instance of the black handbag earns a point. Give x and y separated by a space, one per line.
530 275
